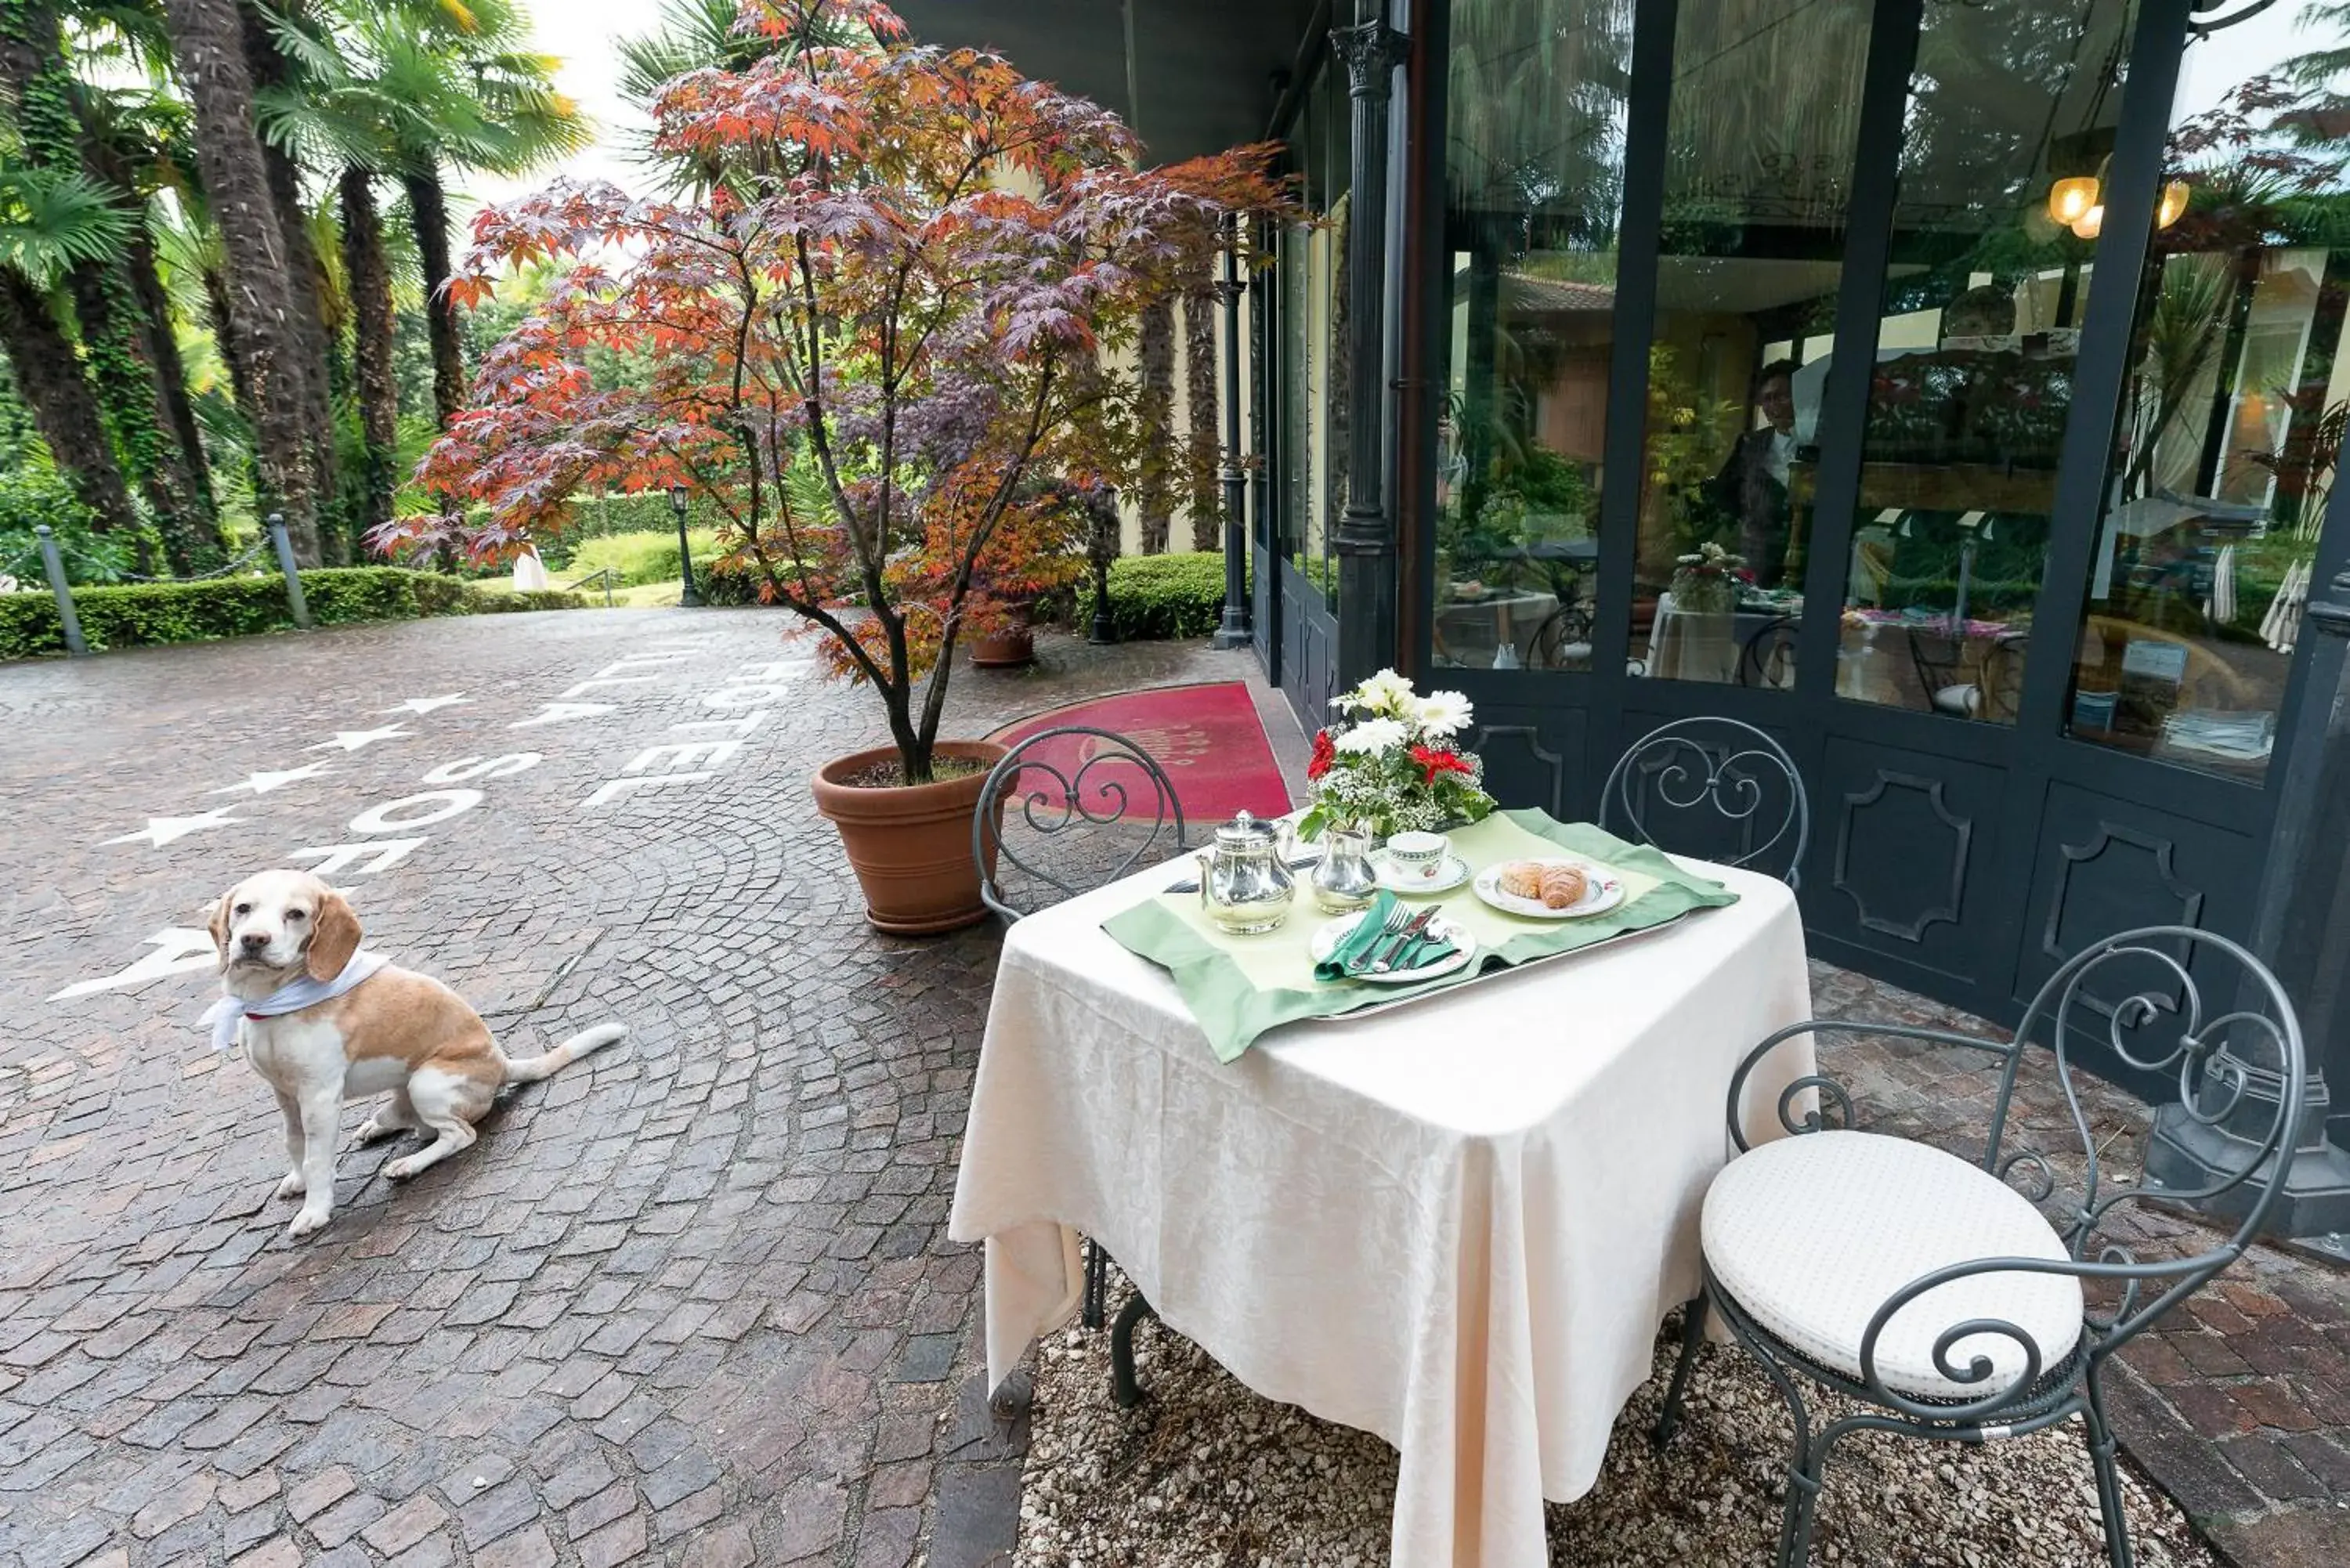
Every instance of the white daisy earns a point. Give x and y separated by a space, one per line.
1371 737
1442 713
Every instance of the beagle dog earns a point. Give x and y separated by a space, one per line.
286 936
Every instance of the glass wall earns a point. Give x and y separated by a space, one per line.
2232 415
1311 267
1533 164
2012 102
1764 121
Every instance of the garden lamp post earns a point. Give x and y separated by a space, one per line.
686 597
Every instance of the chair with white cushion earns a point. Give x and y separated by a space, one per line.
1951 1305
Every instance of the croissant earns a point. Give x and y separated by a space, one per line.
1562 887
1555 887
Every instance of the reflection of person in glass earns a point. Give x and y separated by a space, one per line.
1752 488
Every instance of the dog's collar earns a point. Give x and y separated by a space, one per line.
222 1016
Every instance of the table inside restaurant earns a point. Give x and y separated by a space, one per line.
1456 1222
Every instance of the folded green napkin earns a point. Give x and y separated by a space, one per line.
1369 932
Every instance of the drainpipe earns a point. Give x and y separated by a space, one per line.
2301 931
1365 541
1235 632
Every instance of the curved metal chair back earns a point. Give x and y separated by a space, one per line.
1082 821
1743 786
1767 657
1563 640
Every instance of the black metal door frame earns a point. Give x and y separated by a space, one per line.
1553 733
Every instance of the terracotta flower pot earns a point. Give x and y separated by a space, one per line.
910 845
1004 650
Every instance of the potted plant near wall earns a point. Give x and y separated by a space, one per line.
896 310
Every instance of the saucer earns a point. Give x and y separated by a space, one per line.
1451 873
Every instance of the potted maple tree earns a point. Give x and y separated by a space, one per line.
896 313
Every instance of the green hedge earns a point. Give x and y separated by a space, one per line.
641 558
150 613
1170 598
1152 597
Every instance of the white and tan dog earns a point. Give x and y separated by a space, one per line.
393 1029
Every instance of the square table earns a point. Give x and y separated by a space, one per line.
1456 1223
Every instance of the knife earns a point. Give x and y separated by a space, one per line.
1403 940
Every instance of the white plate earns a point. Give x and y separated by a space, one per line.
1464 950
1602 890
1449 875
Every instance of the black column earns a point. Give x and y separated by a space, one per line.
1235 631
1365 542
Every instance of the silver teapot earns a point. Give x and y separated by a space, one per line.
1244 881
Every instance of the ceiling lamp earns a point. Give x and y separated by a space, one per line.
2174 204
2070 200
2078 202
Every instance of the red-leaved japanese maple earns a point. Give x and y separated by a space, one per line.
883 349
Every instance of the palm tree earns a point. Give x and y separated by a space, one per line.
259 303
410 90
694 35
51 222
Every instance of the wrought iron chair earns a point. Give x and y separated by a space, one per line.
1939 1296
1117 798
1767 657
1082 823
1563 640
1724 767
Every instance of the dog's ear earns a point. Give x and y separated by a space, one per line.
219 924
334 937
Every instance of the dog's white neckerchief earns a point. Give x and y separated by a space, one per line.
222 1016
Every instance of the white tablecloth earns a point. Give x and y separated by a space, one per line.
1456 1223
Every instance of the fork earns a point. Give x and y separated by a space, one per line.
1406 939
1398 918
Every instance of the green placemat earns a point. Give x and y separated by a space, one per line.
1239 987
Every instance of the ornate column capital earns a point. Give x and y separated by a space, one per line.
1370 51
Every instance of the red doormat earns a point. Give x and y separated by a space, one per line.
1208 738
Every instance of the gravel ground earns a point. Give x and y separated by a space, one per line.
1206 1472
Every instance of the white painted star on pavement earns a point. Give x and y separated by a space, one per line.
426 704
352 739
162 830
262 783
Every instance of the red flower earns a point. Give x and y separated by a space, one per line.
1433 762
1325 753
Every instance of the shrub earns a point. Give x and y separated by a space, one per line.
501 603
151 613
1164 596
644 557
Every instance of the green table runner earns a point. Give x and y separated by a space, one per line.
1239 987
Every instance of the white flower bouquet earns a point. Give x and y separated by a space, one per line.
1392 763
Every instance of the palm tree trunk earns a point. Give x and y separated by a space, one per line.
160 338
1157 352
48 376
305 279
428 210
368 278
208 42
125 387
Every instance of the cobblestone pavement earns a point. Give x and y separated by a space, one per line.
689 1301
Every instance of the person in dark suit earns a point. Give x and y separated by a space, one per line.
1752 488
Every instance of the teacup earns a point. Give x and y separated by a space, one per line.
1418 856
